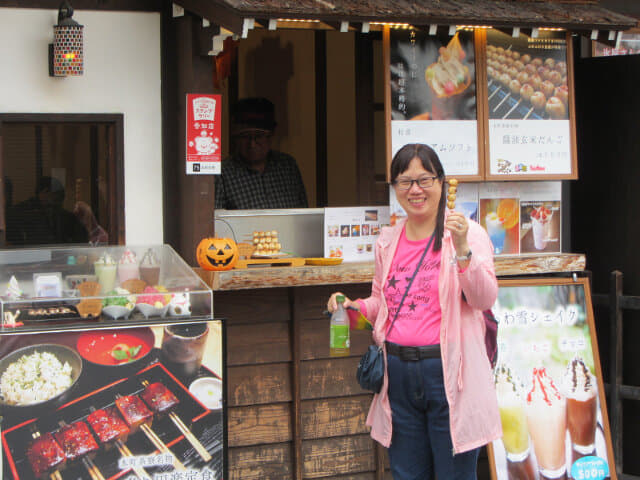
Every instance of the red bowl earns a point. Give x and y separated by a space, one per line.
116 348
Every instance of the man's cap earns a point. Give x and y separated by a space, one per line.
251 114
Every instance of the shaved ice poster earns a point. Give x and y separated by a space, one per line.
549 384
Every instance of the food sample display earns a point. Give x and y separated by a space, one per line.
128 268
97 288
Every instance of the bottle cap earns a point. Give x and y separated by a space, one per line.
340 298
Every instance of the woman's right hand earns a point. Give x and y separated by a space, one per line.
332 304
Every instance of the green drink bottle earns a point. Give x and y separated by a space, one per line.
339 330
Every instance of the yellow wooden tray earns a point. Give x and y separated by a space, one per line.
322 261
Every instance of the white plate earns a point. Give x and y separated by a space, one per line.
151 311
117 311
208 390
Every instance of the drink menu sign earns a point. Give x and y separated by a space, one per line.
351 232
529 106
549 384
203 148
433 96
137 402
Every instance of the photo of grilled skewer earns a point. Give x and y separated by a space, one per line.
111 430
78 444
138 416
161 400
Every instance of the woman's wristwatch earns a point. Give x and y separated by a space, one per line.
462 258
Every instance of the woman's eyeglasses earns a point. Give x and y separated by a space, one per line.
407 183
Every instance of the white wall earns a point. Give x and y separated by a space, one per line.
121 75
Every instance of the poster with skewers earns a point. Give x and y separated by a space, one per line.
136 402
529 105
549 384
433 96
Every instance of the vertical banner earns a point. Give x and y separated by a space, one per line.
433 96
204 131
549 384
529 105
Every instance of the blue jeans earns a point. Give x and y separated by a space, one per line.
421 443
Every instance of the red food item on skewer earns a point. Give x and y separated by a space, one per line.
108 425
134 411
45 455
159 398
76 440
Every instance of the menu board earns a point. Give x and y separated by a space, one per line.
141 402
520 217
529 106
433 96
351 232
549 384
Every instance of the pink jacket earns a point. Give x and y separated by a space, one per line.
468 380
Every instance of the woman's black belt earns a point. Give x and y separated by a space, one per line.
412 354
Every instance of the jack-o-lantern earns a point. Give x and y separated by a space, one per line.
217 253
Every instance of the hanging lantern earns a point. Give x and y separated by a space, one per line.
66 53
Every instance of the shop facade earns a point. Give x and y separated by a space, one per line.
292 412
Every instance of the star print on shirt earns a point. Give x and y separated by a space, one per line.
392 282
412 306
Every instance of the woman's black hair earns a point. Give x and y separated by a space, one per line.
430 162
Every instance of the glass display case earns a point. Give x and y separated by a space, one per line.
111 366
71 288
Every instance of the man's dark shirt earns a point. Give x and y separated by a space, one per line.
32 223
279 186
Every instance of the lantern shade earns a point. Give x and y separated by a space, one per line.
66 56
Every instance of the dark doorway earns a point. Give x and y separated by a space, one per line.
63 179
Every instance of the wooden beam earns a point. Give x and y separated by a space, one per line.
215 12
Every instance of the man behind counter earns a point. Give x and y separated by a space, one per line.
255 176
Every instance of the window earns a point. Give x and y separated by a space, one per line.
62 179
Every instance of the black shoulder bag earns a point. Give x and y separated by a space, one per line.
370 372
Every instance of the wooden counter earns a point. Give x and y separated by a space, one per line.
294 412
269 277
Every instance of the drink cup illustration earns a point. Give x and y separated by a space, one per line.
496 231
546 418
515 433
540 226
582 406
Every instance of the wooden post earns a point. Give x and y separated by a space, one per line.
296 407
615 318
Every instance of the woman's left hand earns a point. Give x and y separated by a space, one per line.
458 225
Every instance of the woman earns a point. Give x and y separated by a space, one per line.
437 405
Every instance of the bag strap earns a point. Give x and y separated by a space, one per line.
410 282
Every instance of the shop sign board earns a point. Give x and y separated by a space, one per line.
549 383
204 132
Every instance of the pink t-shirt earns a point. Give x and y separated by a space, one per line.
418 322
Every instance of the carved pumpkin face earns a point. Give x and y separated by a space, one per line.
217 253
